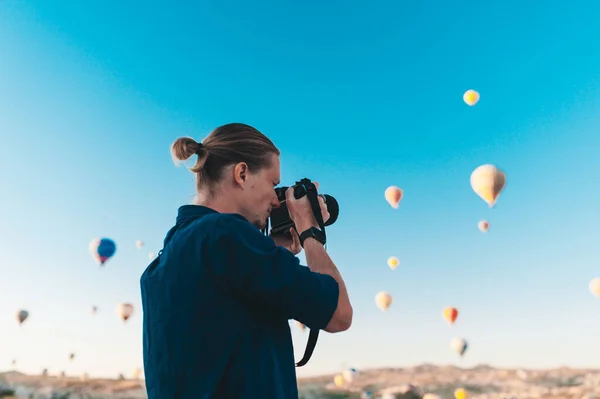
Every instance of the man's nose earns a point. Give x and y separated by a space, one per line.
275 203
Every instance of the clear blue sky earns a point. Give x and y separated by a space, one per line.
358 96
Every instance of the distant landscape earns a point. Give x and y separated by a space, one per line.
482 382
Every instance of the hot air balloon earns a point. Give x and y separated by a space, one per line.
431 396
22 315
393 195
137 373
461 393
450 314
459 345
483 225
102 249
393 262
151 256
383 300
471 97
45 372
71 356
595 286
139 244
338 380
94 309
349 374
14 362
124 311
488 181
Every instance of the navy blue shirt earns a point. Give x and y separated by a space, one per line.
216 305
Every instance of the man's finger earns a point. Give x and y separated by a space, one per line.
289 194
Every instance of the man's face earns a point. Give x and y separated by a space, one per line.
259 196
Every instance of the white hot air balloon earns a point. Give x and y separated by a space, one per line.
139 244
383 300
459 345
483 225
349 374
393 262
124 311
393 195
137 373
595 287
488 182
471 97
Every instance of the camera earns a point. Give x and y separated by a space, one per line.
280 220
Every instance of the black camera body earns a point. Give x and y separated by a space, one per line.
280 220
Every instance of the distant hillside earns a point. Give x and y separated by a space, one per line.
482 382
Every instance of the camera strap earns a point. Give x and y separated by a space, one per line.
313 198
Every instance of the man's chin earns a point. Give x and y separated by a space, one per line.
260 224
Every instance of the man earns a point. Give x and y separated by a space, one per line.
217 300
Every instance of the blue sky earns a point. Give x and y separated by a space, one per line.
357 96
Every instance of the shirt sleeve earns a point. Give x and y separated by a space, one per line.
268 278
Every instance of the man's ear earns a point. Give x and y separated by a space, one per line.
240 173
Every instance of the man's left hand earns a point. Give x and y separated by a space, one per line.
291 243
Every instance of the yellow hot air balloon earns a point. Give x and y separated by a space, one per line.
383 300
338 380
124 311
488 181
393 262
461 393
483 225
595 287
393 195
471 97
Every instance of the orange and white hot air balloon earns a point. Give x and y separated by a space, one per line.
383 300
488 182
124 311
139 244
393 262
471 97
595 287
450 314
483 225
393 195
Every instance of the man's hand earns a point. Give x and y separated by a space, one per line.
301 211
291 243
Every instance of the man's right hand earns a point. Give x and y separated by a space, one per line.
301 211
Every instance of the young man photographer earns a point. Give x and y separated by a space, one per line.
217 301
